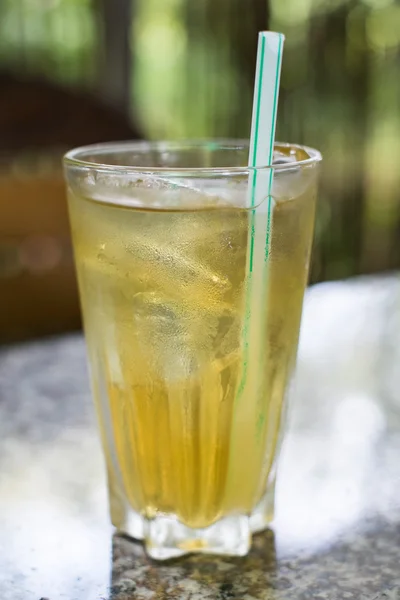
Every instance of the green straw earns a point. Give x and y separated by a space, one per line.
266 92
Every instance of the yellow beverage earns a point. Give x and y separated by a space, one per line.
163 292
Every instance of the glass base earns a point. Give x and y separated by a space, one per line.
164 537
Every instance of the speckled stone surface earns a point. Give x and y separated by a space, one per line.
337 530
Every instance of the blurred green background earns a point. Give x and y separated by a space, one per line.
185 68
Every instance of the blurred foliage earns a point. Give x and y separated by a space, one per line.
192 76
57 38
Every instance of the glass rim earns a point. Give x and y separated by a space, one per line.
76 156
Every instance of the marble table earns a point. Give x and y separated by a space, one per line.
337 530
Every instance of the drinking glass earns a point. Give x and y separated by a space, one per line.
191 299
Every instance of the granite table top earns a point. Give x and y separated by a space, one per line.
336 534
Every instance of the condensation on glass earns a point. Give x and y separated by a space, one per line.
190 398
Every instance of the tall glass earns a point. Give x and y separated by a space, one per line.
192 329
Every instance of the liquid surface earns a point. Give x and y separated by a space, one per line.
190 409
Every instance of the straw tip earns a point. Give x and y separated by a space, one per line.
272 34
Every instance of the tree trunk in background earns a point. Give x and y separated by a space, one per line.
343 186
115 60
246 22
231 29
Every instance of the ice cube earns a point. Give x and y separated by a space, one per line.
179 340
153 191
175 271
290 182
